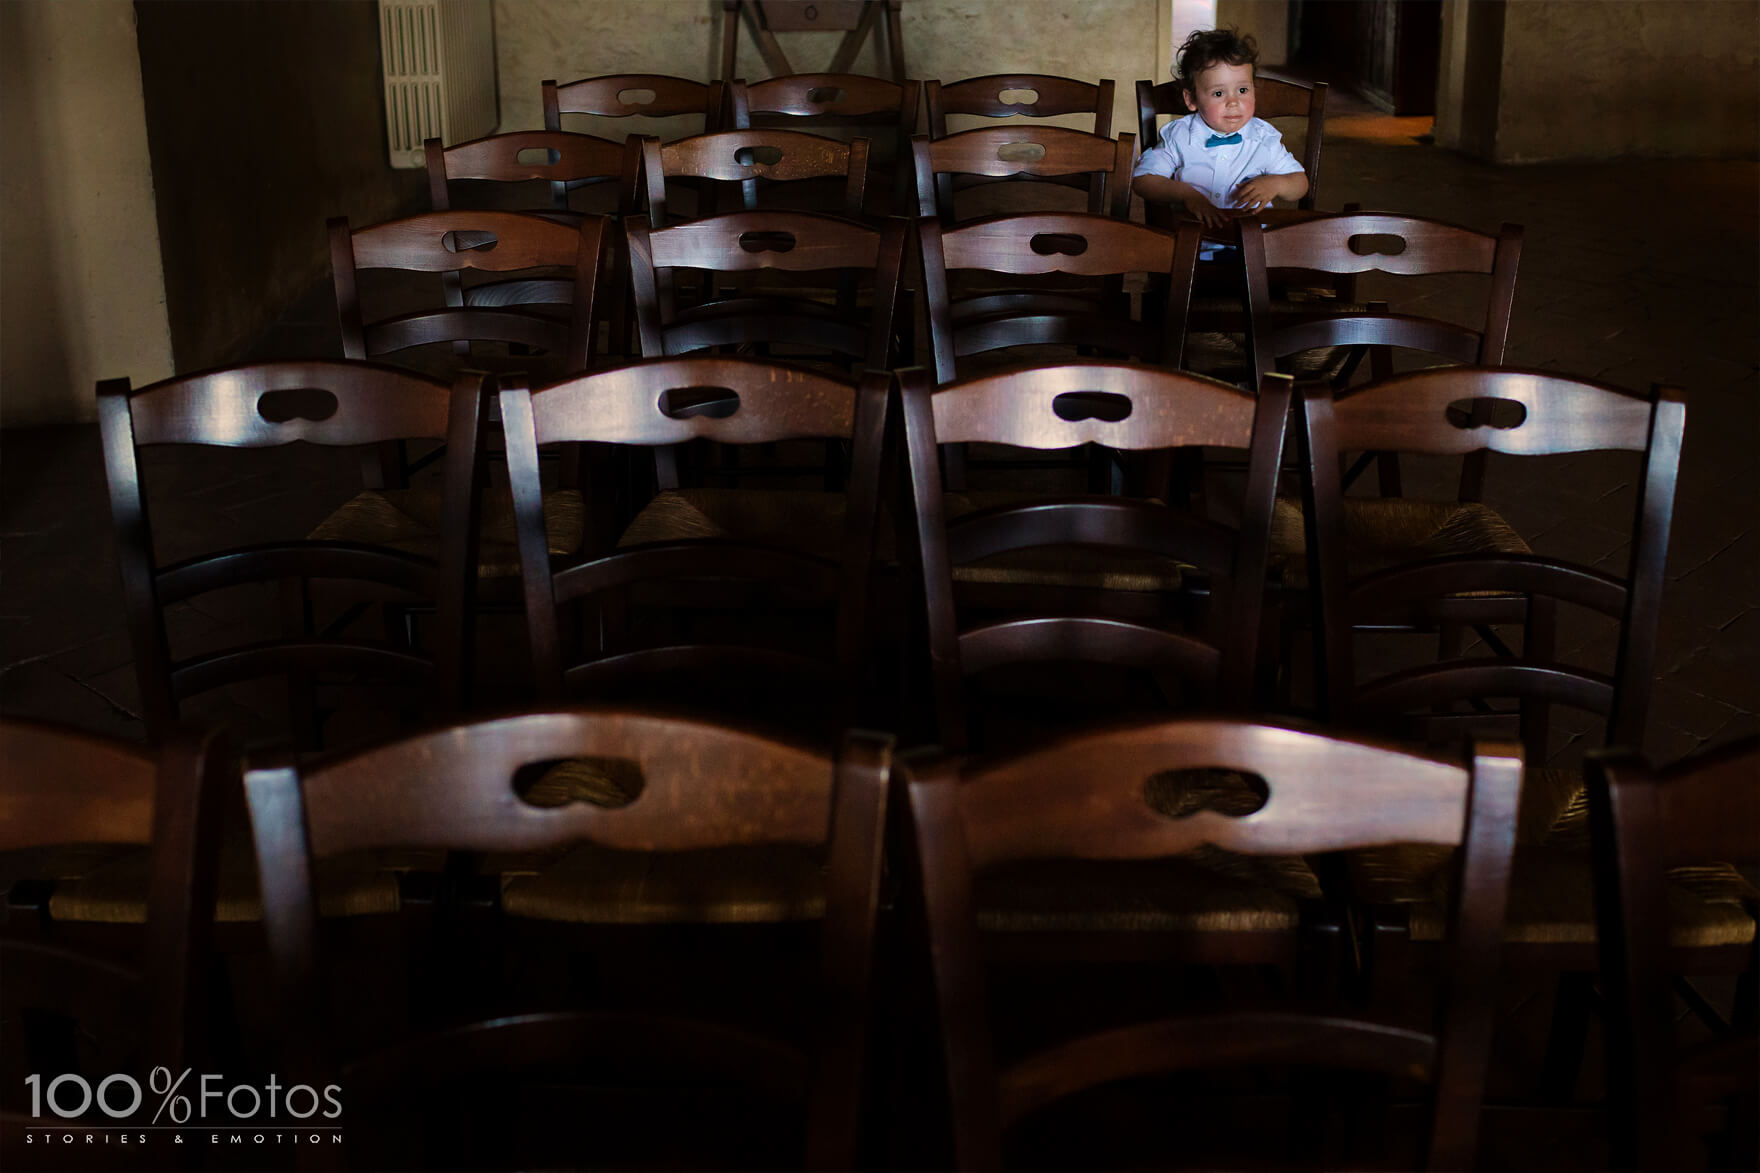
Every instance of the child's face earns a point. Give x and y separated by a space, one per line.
1224 96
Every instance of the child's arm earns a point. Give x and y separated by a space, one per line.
1161 189
1259 191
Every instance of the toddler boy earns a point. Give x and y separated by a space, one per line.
1219 156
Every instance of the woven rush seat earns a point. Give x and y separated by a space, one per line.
595 885
109 885
1223 354
1384 531
1552 896
812 523
410 520
1208 890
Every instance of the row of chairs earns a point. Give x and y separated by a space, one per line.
972 834
1114 571
855 100
869 328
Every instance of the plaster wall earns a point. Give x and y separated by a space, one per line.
1629 77
1266 20
945 39
265 117
81 294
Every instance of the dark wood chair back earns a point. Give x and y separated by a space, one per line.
1006 95
1274 97
630 95
564 159
1373 242
1704 810
481 242
1085 797
266 406
845 99
61 788
747 156
1124 407
1433 412
701 786
884 109
789 242
728 401
1100 164
1040 245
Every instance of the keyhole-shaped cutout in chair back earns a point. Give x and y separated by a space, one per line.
1018 97
1502 414
767 242
825 95
1075 406
759 156
1182 793
1369 244
682 403
1021 152
469 240
296 403
539 157
635 97
1069 244
558 782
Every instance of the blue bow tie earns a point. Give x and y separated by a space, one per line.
1223 140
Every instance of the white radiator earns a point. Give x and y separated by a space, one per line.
439 63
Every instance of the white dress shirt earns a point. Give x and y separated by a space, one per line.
1216 171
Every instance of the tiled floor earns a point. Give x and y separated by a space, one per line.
1632 272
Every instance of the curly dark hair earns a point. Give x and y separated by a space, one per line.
1209 47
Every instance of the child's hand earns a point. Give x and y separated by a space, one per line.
1208 214
1255 193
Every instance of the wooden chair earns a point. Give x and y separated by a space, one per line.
566 161
1655 833
855 19
1042 244
1005 95
268 405
1274 97
1100 164
1315 335
1430 412
700 789
453 243
61 788
559 157
1473 582
887 110
837 99
1130 408
747 156
1092 797
646 97
757 550
633 95
786 242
